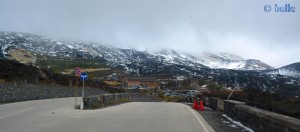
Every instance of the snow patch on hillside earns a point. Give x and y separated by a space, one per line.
288 72
117 56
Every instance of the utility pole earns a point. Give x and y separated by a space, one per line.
237 85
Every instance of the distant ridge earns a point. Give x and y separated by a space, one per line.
129 59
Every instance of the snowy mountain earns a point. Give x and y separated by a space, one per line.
230 61
289 70
224 68
130 59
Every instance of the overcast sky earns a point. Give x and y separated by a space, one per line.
240 27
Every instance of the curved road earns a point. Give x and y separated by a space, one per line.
58 115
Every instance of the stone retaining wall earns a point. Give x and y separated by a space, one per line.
97 101
260 120
10 92
214 103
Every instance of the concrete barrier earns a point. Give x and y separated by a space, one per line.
260 120
97 101
94 101
206 101
230 108
221 105
214 103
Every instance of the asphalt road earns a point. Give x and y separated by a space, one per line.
58 115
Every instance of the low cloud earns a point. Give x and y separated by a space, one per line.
238 27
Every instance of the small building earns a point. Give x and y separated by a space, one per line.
164 79
145 82
180 78
203 88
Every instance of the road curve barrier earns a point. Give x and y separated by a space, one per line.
98 101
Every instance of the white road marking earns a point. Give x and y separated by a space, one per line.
16 113
198 119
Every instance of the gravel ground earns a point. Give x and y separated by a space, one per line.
219 122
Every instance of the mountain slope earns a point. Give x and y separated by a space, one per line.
213 67
130 59
230 61
288 70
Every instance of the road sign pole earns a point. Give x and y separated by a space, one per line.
77 74
81 105
76 89
83 77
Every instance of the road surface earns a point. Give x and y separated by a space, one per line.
58 115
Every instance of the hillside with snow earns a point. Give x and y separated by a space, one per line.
289 70
124 57
224 68
230 61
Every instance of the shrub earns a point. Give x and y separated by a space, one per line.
161 95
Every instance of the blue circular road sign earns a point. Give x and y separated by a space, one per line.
83 76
